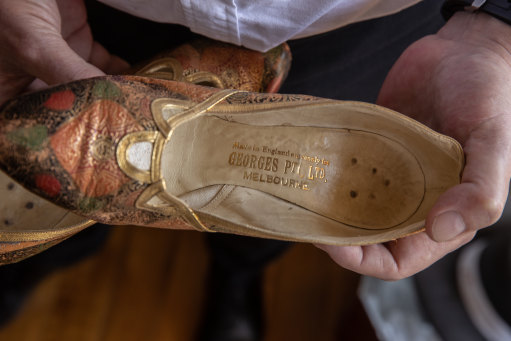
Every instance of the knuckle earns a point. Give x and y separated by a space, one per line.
394 277
396 273
26 49
493 209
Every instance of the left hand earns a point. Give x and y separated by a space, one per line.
46 42
459 83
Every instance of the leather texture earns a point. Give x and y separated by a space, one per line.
277 166
30 224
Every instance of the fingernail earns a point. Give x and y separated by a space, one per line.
447 226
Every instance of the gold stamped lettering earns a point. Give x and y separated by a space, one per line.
232 158
267 167
287 166
260 162
247 156
316 173
253 159
275 180
292 167
266 163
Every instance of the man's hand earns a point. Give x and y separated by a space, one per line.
48 40
459 83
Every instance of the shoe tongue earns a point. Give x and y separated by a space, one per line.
495 267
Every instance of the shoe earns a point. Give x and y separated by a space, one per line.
221 65
31 224
143 151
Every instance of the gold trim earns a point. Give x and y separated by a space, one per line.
158 146
199 109
122 148
186 212
177 208
167 127
153 190
205 77
159 104
156 69
191 111
157 186
46 235
169 68
259 107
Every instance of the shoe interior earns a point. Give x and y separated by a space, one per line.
22 212
336 171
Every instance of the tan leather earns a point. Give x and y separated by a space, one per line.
344 173
27 216
28 219
31 224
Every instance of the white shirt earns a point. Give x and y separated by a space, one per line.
260 24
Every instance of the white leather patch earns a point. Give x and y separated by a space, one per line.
139 155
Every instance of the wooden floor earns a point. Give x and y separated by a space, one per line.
148 284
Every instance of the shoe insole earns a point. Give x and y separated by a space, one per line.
358 178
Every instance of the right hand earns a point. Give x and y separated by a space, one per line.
46 42
457 82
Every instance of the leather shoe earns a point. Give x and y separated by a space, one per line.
30 224
144 151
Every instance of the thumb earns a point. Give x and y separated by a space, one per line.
480 198
55 62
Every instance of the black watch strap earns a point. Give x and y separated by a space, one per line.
500 9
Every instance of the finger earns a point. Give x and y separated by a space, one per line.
479 200
36 85
94 52
56 62
394 260
106 62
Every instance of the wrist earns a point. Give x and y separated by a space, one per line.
479 29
